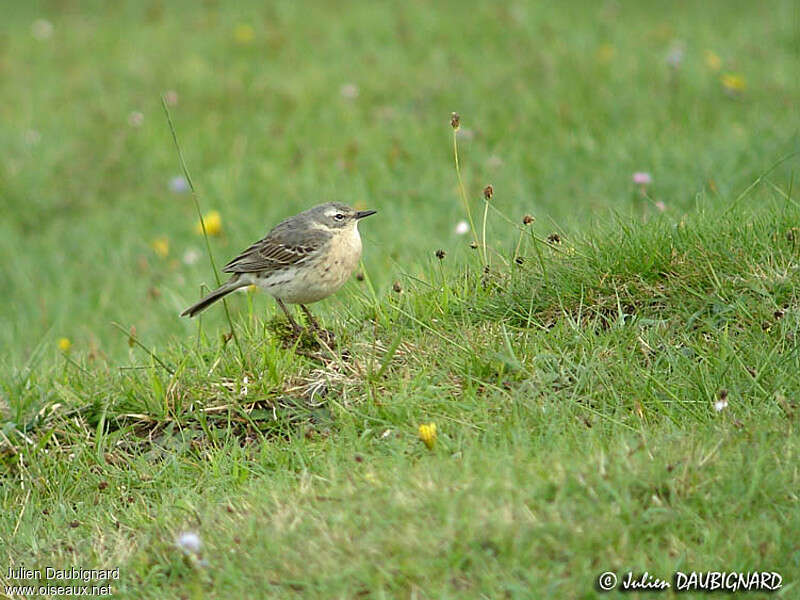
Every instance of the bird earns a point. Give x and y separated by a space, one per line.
302 260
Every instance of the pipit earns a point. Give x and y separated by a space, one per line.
302 260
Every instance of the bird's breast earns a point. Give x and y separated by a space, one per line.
321 275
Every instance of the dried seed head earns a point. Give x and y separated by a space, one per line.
527 220
397 287
554 238
455 120
488 192
440 254
473 244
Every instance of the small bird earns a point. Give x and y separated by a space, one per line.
304 259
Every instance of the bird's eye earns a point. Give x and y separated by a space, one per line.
338 216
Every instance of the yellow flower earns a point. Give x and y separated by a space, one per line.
733 83
427 433
243 34
160 246
605 52
64 344
213 221
713 61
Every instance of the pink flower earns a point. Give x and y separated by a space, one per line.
642 178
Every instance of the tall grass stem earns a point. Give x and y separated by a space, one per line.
202 222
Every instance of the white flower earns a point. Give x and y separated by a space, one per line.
349 91
462 227
32 137
494 161
171 97
721 404
42 29
135 119
465 133
675 55
189 542
178 184
191 256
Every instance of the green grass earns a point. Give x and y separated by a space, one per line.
573 393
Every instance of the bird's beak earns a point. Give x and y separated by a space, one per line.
365 213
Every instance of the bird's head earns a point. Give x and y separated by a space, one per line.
335 216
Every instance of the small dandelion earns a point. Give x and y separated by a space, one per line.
713 61
605 53
733 83
160 246
427 433
135 119
642 178
462 228
64 344
488 192
213 223
455 121
171 97
349 91
178 184
191 256
243 34
42 29
527 220
440 254
722 403
189 542
397 288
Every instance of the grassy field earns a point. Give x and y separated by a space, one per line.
615 386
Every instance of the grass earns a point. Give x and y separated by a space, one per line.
573 390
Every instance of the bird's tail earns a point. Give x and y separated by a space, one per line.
223 290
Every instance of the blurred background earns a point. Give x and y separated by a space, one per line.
283 105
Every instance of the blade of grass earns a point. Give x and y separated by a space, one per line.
202 222
136 341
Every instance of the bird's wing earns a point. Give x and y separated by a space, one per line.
274 252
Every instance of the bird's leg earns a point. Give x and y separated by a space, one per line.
311 318
295 327
324 334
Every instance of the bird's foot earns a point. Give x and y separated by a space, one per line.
326 336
